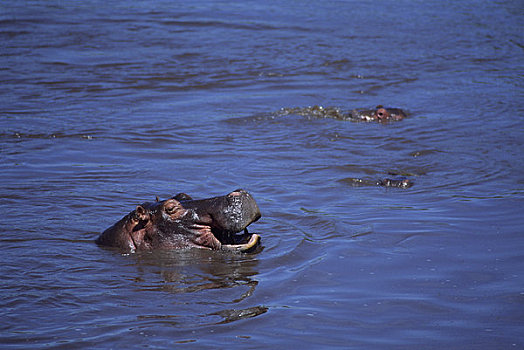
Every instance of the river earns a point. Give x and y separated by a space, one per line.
107 104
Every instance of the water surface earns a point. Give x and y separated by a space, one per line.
106 105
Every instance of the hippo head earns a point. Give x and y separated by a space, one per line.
181 222
380 114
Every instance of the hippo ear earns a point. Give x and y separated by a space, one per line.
141 213
182 197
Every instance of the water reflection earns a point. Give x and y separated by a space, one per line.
206 279
191 270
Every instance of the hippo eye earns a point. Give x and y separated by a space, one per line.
171 207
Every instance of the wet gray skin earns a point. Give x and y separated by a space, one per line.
218 223
400 182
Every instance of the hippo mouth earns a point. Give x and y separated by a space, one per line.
241 242
222 240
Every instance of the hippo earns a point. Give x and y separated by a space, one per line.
398 182
182 222
379 113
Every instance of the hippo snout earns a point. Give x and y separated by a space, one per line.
242 211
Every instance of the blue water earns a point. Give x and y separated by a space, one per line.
105 105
